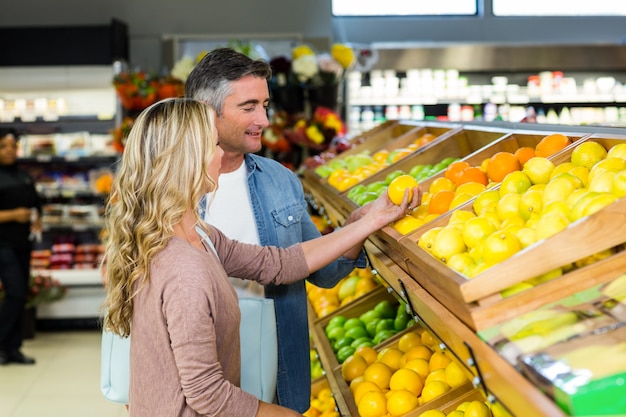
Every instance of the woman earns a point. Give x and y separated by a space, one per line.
18 198
170 284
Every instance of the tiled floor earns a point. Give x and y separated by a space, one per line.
63 383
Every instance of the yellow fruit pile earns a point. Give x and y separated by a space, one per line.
326 300
401 377
530 205
465 409
346 173
323 404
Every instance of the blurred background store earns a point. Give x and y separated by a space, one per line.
559 63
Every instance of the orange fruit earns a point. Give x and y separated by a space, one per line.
368 353
373 404
472 174
354 366
551 144
406 379
438 360
417 352
364 387
401 402
455 170
441 183
392 357
378 373
440 202
501 164
524 153
409 340
398 186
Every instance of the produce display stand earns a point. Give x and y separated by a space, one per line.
454 307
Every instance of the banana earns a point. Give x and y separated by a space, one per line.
616 289
544 326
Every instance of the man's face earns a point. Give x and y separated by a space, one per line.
8 150
244 116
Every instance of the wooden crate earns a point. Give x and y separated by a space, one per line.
389 239
478 302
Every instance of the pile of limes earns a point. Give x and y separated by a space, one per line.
384 320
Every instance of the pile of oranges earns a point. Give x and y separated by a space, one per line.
401 377
322 404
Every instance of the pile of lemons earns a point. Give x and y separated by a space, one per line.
398 379
322 404
528 206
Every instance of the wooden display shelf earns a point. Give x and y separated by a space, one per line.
509 386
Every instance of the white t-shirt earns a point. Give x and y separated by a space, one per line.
230 210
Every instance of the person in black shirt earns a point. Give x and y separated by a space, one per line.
18 198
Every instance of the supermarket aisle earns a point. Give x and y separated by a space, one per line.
63 383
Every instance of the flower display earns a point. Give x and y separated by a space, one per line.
42 289
318 131
307 68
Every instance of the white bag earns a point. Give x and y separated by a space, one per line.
115 367
259 347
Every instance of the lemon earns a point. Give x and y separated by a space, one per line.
407 224
576 182
575 195
460 216
582 173
618 188
499 246
454 375
438 360
531 202
527 236
473 188
432 413
476 230
448 241
419 365
462 406
364 387
460 261
427 240
399 185
515 288
561 168
508 206
538 169
441 183
434 389
560 207
401 402
587 154
515 182
477 409
607 164
617 151
602 182
558 189
551 223
460 198
456 413
486 200
550 275
597 203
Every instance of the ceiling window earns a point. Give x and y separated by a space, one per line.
559 8
404 7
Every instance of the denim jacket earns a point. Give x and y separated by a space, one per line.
280 212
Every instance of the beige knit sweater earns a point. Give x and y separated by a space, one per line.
185 354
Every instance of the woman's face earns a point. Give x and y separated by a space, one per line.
8 150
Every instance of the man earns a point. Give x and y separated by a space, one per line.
260 201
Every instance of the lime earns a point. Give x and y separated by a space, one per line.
336 333
356 332
384 335
386 309
384 324
369 315
359 341
336 321
587 154
344 341
371 326
344 353
353 322
399 323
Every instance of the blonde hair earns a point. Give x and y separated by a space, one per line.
162 173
